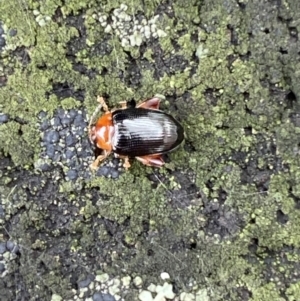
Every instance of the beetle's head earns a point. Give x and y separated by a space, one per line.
102 132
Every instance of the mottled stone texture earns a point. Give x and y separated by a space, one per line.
222 218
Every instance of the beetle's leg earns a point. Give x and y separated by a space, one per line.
100 158
102 103
126 164
152 160
152 103
123 104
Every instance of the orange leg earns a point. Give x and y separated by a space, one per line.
126 164
102 105
99 159
123 104
152 160
152 103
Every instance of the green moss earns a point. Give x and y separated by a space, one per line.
20 142
266 292
219 98
21 20
293 291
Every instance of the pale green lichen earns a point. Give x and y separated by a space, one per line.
216 131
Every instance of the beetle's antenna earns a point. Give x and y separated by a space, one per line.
162 184
93 117
171 254
101 105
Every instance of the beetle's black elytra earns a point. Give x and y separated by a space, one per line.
142 132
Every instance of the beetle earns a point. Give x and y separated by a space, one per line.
139 131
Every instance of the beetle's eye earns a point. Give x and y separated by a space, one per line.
131 103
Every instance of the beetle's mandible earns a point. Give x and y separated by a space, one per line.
141 131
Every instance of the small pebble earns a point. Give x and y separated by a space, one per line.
159 297
102 278
66 120
2 247
153 28
50 150
73 164
166 290
84 283
114 174
138 281
3 118
72 113
114 289
102 171
123 7
78 120
115 161
126 281
64 132
164 276
202 295
51 136
44 125
145 296
152 288
124 42
45 167
72 174
59 147
2 42
42 115
108 29
56 121
103 297
161 33
70 154
1 211
56 297
187 297
132 40
147 32
2 267
60 112
12 32
70 140
12 247
128 18
81 131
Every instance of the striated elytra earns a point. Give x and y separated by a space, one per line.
143 132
